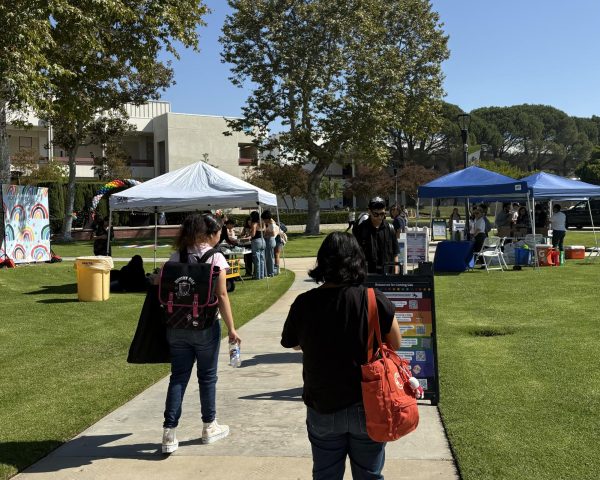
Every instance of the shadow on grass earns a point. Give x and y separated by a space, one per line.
291 394
52 301
273 358
55 290
76 453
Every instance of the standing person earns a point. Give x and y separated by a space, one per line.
244 239
377 239
351 219
478 230
198 234
503 221
101 237
399 219
280 241
454 217
558 220
333 340
271 230
257 244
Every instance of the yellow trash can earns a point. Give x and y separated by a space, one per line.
93 278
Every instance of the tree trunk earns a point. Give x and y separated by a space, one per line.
4 153
314 181
70 200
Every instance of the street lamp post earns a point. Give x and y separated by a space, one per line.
464 120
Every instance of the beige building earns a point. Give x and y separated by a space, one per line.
162 141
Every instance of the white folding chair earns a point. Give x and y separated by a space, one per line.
491 250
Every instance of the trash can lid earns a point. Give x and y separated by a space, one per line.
96 261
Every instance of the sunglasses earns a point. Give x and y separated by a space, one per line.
378 214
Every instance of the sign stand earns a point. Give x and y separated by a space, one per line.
438 229
414 302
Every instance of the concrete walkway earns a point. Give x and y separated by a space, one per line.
261 402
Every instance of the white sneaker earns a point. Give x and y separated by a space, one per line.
211 432
169 441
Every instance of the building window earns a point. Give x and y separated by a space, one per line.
25 143
248 154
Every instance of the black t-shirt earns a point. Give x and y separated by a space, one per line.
379 245
330 324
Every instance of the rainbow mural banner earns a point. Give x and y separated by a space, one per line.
26 223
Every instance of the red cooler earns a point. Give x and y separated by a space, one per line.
575 252
544 255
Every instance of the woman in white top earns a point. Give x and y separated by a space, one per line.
198 234
478 230
558 220
271 231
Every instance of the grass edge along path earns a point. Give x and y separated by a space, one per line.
64 362
518 371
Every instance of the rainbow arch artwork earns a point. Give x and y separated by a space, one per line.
9 233
26 223
39 253
27 235
39 211
17 213
46 233
19 253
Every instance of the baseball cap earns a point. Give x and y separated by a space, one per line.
376 202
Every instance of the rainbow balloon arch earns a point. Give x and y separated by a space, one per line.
113 187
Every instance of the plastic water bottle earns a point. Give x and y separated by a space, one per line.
234 355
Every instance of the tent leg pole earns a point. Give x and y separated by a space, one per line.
108 233
593 229
155 234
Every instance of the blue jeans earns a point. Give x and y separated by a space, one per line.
270 255
187 346
334 435
258 257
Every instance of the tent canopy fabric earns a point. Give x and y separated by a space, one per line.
196 187
546 186
474 182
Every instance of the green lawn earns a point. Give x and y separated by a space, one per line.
64 362
519 371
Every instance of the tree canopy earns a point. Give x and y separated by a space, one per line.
109 53
335 73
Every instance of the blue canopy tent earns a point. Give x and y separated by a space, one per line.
475 183
472 184
546 186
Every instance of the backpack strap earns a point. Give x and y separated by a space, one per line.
209 253
183 255
373 324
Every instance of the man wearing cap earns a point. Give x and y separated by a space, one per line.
377 239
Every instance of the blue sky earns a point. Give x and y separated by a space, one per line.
502 53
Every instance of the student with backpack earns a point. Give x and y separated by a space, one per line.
195 335
329 325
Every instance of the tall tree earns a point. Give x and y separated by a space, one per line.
24 39
283 179
333 72
111 50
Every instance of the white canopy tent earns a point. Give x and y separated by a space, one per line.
196 187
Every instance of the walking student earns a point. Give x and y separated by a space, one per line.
198 234
329 325
377 240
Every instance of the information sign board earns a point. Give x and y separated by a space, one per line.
417 245
414 302
438 229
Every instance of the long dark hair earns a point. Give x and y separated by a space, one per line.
194 228
340 260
